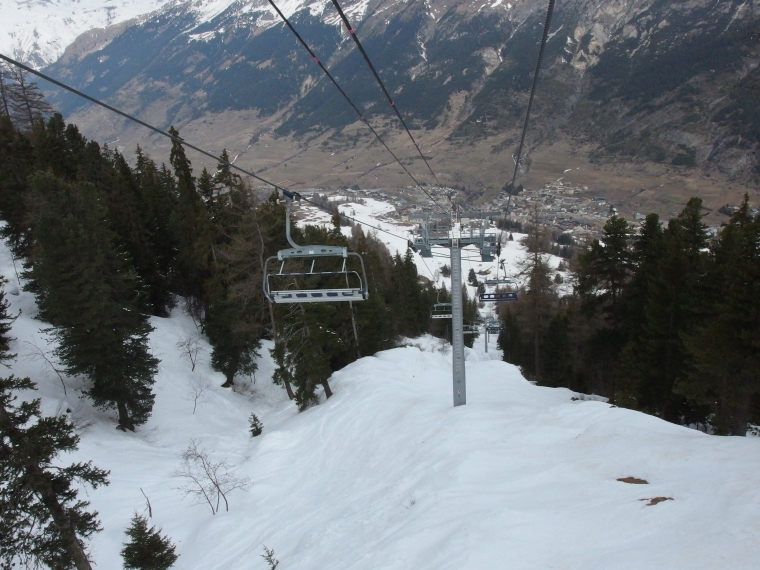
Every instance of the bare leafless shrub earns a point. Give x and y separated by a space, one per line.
206 481
196 388
190 348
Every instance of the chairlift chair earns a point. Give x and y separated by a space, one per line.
500 280
500 296
494 326
470 329
441 311
277 283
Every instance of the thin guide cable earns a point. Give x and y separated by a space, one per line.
182 141
547 25
347 98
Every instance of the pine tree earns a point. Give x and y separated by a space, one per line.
91 295
26 100
133 222
605 268
674 307
5 326
191 227
147 549
725 348
374 318
510 338
632 391
158 201
16 163
42 521
236 309
537 301
255 427
603 273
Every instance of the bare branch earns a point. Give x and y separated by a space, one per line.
37 354
207 481
147 501
190 348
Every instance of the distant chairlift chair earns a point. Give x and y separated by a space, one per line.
356 283
499 296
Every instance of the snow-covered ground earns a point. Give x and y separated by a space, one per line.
388 475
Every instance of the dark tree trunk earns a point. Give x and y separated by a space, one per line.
328 391
125 422
230 376
288 387
71 543
740 416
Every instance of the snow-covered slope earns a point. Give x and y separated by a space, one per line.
39 30
387 474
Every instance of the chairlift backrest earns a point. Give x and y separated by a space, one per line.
499 296
441 311
282 286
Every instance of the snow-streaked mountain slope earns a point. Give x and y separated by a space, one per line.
39 30
388 475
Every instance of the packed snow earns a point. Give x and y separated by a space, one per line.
387 474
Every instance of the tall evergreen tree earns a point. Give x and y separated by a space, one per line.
674 307
5 325
647 252
191 226
236 308
540 295
724 349
17 159
42 520
603 272
605 268
92 296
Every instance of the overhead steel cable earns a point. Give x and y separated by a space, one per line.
353 35
180 140
136 120
544 38
348 99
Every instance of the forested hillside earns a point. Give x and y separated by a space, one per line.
665 320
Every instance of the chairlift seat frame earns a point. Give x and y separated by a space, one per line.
359 292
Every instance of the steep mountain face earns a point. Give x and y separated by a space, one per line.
637 82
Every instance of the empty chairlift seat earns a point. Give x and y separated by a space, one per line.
298 279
